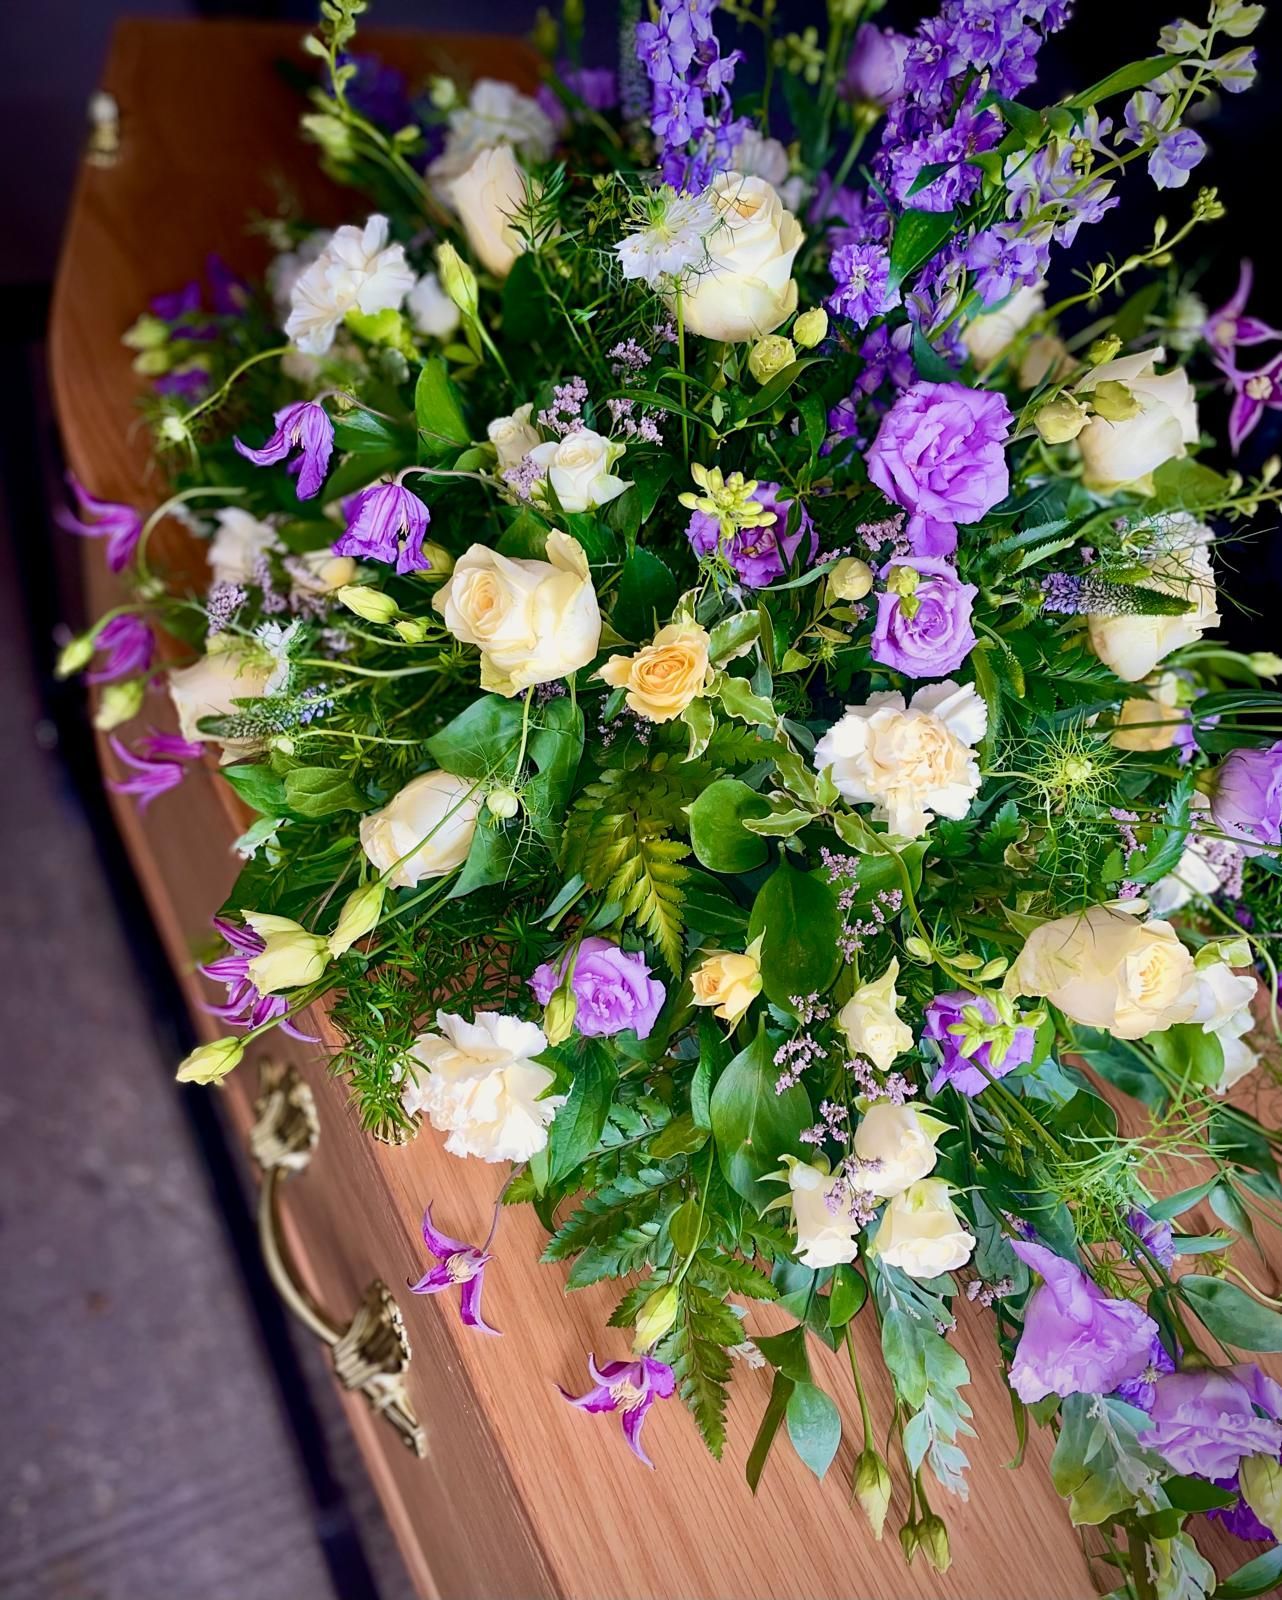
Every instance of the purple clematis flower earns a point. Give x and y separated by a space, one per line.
1254 394
387 524
305 427
1231 325
146 778
128 644
457 1263
119 525
628 1386
245 1007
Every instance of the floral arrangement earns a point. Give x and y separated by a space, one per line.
715 648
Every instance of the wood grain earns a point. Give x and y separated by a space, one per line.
520 1494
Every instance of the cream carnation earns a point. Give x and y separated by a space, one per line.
825 1229
921 1233
870 1020
578 469
356 271
1180 565
436 812
1165 423
489 197
745 287
237 549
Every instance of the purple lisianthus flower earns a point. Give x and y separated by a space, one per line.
613 989
119 525
1141 1390
943 1014
305 427
928 536
1204 1423
128 645
1240 1520
387 523
875 69
1075 1339
759 556
861 273
927 634
457 1263
245 1006
1246 802
1155 1235
628 1386
940 451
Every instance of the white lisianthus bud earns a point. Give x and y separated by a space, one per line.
872 1489
810 328
359 916
372 604
119 702
850 579
412 629
1261 1481
1265 664
290 957
210 1063
770 356
74 655
898 1145
921 1233
1061 420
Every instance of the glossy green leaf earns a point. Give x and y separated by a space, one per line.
754 1127
796 914
717 832
1231 1314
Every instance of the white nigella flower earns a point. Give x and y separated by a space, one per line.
356 271
672 242
277 641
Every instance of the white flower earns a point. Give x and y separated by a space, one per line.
1239 1058
578 469
1201 871
437 812
757 156
290 956
285 269
1153 721
230 670
237 549
745 288
870 1020
1180 565
989 334
320 572
431 310
910 761
672 243
921 1233
513 437
276 642
490 196
533 621
496 113
481 1086
898 1142
1131 450
821 1215
356 271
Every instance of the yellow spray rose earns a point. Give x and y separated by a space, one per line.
728 981
664 677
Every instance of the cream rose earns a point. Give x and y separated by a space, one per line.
533 621
229 671
1045 356
728 981
870 1020
664 677
1181 565
921 1233
431 310
912 761
745 288
1153 722
437 812
988 335
238 548
1200 870
825 1229
513 437
1131 450
482 1087
578 469
1107 969
488 197
898 1143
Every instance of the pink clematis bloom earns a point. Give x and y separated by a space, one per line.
631 1387
457 1263
1230 326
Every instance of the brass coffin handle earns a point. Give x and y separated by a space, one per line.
372 1351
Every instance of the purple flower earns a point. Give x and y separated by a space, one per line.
943 1014
119 525
1246 802
228 292
187 384
1240 1520
147 778
927 536
940 451
1003 261
244 1006
377 91
628 1386
177 303
613 989
759 556
1231 325
457 1263
887 357
1204 1423
875 70
1255 393
128 645
1154 1235
861 273
388 524
1141 1390
596 87
1075 1339
1175 157
305 427
926 634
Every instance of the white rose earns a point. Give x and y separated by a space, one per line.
987 336
898 1143
229 671
481 1086
1239 1058
235 551
1153 722
1106 969
910 761
489 196
871 1022
921 1233
513 437
533 621
578 469
821 1214
746 288
495 113
437 812
356 271
1222 996
1116 453
431 310
1133 645
1201 869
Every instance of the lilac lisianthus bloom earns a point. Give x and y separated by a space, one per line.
1141 1390
127 645
940 451
1154 1234
1246 802
1240 1520
1075 1339
943 1014
306 428
928 633
613 989
457 1263
387 523
628 1386
759 556
596 87
119 525
875 68
928 536
245 1006
1204 1423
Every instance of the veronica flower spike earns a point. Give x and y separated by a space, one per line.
456 1263
305 427
119 525
631 1387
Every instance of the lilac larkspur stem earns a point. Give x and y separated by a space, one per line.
119 525
127 645
245 1006
631 1387
457 1263
306 428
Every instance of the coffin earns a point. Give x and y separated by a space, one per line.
493 1485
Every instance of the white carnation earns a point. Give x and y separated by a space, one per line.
356 271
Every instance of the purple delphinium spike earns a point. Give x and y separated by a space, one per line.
387 524
457 1263
119 525
306 428
631 1387
245 1007
127 645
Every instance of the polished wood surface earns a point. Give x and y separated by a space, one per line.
520 1495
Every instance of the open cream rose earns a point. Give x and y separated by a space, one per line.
745 288
728 981
921 1233
898 1143
489 197
1130 450
436 812
533 621
513 437
870 1020
578 469
229 671
664 677
1180 565
1152 722
825 1228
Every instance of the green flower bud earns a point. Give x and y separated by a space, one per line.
1061 419
811 328
1114 402
932 1536
118 703
457 279
657 1316
872 1490
173 429
443 92
442 562
372 604
770 356
1265 664
908 1541
331 133
412 629
850 579
148 333
359 916
559 1015
503 803
210 1063
74 656
1103 350
1261 1481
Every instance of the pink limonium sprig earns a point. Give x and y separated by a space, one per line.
457 1263
631 1387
